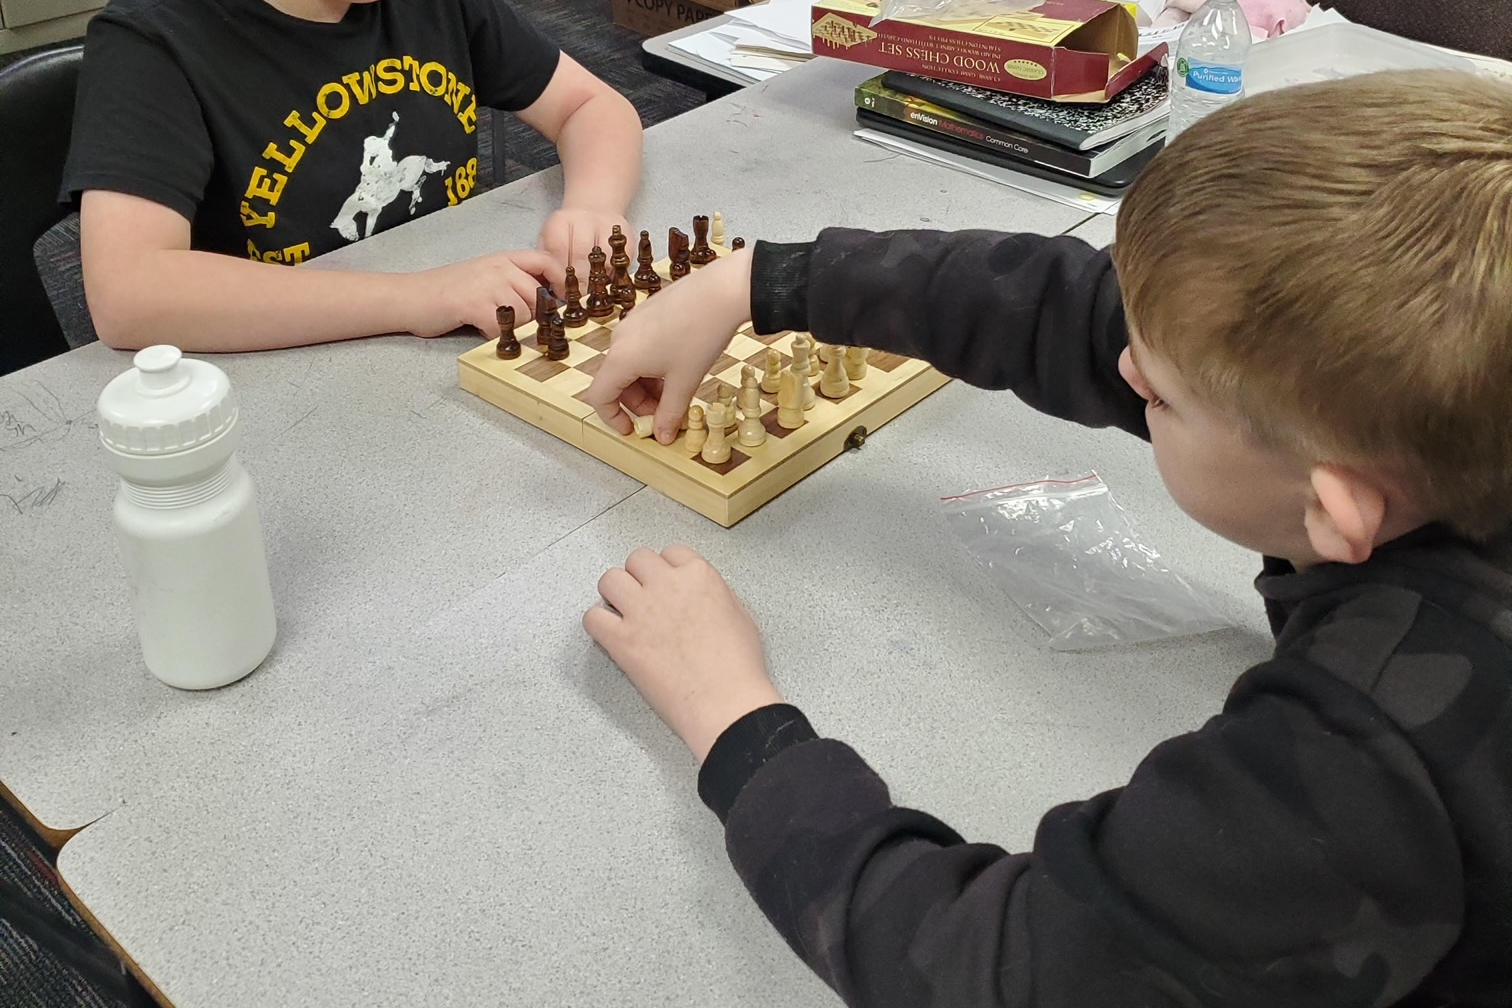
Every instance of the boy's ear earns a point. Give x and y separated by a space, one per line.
1344 514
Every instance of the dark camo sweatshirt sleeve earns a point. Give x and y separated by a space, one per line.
1292 853
1040 316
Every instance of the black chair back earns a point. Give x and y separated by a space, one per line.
36 120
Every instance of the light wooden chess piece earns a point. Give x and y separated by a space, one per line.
834 383
717 448
697 432
644 425
790 401
752 432
771 382
717 232
803 367
825 352
727 400
855 363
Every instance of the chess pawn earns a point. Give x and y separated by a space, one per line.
509 346
626 300
643 425
825 352
574 314
834 383
727 400
701 254
557 347
771 381
698 433
803 367
790 401
736 244
717 448
717 231
752 432
855 363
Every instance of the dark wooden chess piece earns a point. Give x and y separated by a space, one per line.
574 314
702 254
646 276
677 251
736 244
625 298
599 303
557 347
620 283
509 346
544 306
617 241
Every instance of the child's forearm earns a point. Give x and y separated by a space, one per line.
600 148
207 303
1040 316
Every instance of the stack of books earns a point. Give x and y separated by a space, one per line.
1096 147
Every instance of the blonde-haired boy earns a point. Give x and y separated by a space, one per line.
1311 321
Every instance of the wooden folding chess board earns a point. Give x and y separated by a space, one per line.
548 394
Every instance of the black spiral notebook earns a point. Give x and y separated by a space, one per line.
1114 182
1076 126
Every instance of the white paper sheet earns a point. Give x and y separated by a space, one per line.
1068 195
787 19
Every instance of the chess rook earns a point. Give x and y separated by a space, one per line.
717 448
509 346
701 254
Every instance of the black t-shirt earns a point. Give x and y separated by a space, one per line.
281 139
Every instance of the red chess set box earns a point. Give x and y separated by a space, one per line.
1061 50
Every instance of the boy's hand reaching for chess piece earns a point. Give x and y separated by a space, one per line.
470 293
571 233
662 353
686 642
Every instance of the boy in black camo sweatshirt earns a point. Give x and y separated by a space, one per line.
1308 315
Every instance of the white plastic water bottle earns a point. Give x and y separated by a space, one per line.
186 520
1210 57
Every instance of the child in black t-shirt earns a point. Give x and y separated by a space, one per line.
271 131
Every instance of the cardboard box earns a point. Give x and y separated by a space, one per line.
656 17
1062 50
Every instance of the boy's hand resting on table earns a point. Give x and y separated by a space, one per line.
663 351
470 293
685 641
570 234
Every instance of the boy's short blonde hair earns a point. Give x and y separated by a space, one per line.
1332 266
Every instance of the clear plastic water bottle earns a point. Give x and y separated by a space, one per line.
186 520
1210 57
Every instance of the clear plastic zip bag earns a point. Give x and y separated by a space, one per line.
950 10
1068 555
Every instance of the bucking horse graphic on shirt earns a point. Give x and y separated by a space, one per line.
383 179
